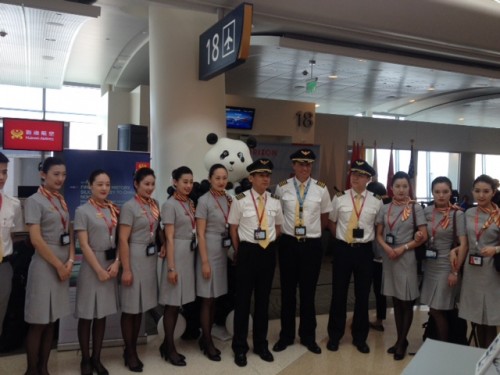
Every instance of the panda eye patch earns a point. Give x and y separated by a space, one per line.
224 154
242 158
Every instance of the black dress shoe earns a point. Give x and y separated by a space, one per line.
377 327
265 355
362 347
240 359
332 345
280 346
312 347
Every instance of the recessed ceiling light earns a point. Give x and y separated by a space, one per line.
411 101
333 76
55 24
48 58
431 88
461 119
317 105
50 40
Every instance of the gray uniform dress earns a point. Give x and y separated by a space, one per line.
172 212
480 295
436 293
94 298
209 210
400 275
142 295
47 297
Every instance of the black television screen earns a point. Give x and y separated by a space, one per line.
239 118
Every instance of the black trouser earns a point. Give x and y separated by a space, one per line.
350 260
254 274
300 263
380 299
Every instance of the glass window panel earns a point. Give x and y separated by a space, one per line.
488 164
21 114
73 99
84 136
19 97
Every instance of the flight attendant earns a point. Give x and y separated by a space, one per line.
211 264
138 255
255 222
177 284
47 290
97 293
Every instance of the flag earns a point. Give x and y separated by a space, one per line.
375 178
411 172
362 151
354 157
390 175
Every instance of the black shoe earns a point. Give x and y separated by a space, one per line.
86 367
175 359
280 346
312 347
362 347
240 359
392 349
377 327
264 354
214 355
134 368
98 367
332 345
400 353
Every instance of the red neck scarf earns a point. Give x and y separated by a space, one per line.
49 195
408 203
113 208
494 215
152 205
185 198
222 193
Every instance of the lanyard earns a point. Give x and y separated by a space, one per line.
260 215
435 227
358 214
220 207
63 218
486 225
299 198
190 214
391 225
109 223
151 219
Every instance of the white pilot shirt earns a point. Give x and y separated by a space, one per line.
11 220
343 206
244 214
317 201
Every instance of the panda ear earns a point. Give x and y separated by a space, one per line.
212 138
251 142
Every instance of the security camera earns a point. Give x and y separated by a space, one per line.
3 34
305 72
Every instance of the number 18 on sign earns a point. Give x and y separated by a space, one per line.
227 43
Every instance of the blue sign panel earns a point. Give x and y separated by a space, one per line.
227 43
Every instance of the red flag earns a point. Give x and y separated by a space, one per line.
390 175
362 151
411 172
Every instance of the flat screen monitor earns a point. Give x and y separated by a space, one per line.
33 135
239 118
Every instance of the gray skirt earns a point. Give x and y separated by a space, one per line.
216 286
400 277
436 293
142 295
47 297
184 291
95 299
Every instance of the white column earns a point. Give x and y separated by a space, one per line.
183 109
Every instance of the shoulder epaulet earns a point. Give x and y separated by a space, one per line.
377 196
339 193
240 196
283 183
320 184
274 196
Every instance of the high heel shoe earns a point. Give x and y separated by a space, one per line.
399 355
98 367
136 368
86 367
163 352
211 356
178 361
392 349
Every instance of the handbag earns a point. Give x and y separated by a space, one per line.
420 250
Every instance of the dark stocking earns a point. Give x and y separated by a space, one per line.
485 335
207 315
33 341
170 315
398 316
406 320
441 320
84 337
97 336
128 323
45 348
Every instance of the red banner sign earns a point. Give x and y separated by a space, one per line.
35 135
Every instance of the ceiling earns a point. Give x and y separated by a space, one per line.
429 60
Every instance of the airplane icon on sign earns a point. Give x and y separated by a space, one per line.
228 35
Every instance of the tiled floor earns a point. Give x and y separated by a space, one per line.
294 360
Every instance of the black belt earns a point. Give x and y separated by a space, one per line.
355 244
8 258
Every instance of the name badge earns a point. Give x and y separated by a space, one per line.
431 254
150 249
300 231
226 242
110 254
390 239
193 242
476 260
64 239
259 234
358 233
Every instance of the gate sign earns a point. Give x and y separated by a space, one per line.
227 43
